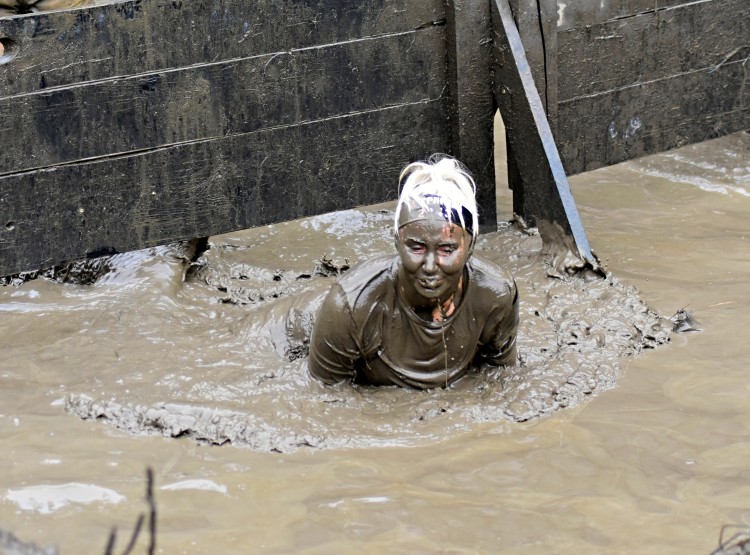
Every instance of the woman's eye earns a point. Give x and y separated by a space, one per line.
416 248
446 250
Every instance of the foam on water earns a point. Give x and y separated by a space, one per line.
46 499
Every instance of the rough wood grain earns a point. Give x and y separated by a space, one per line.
141 122
652 46
199 102
536 22
547 200
210 187
469 46
144 121
147 36
583 13
653 117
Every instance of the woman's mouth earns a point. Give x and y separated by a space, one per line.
429 284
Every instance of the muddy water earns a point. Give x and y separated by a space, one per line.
652 458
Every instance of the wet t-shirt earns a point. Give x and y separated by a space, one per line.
365 332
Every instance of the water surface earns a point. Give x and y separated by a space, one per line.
655 464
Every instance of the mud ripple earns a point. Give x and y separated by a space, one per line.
574 340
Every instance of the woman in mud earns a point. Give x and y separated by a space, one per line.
422 317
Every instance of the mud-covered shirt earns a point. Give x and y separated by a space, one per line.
364 331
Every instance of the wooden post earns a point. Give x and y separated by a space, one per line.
470 87
536 23
547 201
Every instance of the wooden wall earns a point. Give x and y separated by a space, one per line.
139 122
629 78
134 123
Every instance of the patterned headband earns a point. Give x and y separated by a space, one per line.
434 207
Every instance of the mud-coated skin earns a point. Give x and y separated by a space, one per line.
365 332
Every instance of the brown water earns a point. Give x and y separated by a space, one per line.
656 464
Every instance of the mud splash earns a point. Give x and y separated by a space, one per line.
258 298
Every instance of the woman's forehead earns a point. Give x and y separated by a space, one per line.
432 229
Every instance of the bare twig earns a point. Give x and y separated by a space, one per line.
110 549
134 537
152 510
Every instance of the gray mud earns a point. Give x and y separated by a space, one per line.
242 379
11 545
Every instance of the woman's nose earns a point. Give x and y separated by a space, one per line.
430 264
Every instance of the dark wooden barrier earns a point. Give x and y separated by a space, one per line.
135 123
634 77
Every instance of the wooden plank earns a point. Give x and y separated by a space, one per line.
146 36
208 187
547 200
137 123
124 115
469 33
583 13
651 46
536 25
653 117
548 27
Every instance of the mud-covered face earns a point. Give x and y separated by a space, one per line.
433 255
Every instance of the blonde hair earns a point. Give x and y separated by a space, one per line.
441 180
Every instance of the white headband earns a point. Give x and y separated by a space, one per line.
439 188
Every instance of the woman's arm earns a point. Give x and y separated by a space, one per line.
333 346
500 350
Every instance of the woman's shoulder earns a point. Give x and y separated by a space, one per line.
368 279
487 274
365 271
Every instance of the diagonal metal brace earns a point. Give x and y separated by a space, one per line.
547 201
